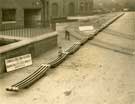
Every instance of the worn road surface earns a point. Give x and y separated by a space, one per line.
93 75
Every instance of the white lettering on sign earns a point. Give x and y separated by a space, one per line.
18 62
86 28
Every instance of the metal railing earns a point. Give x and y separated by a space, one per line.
24 30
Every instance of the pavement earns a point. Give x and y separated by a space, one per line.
119 35
93 75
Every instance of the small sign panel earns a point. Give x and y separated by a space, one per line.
86 28
18 62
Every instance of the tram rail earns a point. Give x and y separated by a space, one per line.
112 47
58 60
73 48
115 33
40 72
30 79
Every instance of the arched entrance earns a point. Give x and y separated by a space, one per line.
71 9
54 10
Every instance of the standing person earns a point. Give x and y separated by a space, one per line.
67 35
60 52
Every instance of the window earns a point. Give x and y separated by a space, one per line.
81 6
71 9
54 10
8 15
86 6
90 5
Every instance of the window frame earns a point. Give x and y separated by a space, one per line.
5 12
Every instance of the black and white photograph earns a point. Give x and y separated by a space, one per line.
67 51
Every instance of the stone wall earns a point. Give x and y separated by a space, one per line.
35 47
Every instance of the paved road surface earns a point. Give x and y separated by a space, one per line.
119 35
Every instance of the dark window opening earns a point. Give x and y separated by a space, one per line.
81 6
71 11
8 15
54 10
86 6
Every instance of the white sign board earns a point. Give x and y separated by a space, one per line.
18 62
86 28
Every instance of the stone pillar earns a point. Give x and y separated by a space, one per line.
0 18
47 13
43 12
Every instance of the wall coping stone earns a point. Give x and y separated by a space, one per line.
25 42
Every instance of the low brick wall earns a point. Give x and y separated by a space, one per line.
35 46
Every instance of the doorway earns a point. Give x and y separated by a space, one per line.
32 17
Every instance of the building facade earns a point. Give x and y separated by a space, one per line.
27 13
64 8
